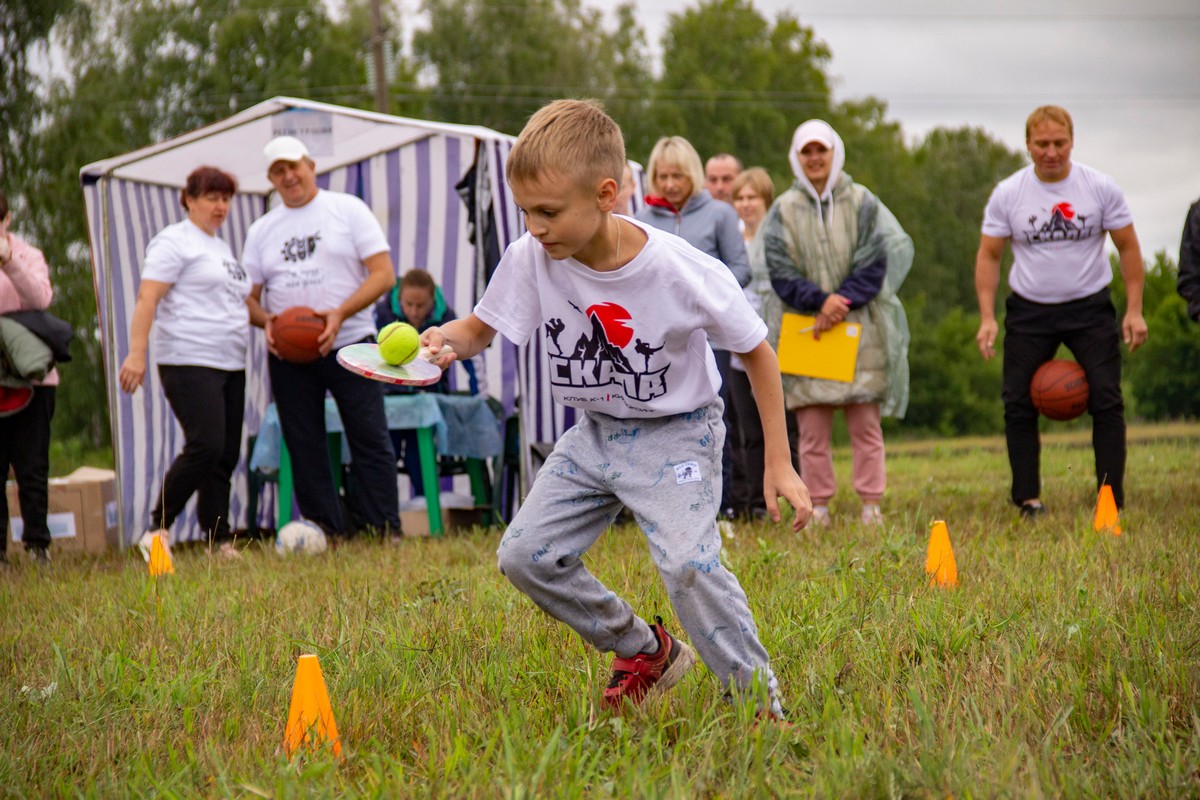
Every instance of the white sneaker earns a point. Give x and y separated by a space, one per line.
147 541
820 517
726 528
871 515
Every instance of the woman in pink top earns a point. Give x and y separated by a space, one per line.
25 433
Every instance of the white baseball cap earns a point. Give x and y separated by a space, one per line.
814 130
285 148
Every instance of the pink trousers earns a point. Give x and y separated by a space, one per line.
816 455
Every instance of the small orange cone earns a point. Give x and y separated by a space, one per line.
939 559
1106 512
160 558
310 718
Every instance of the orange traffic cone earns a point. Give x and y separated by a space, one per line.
1106 512
939 559
310 718
160 558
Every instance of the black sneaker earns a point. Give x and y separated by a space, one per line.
1032 511
638 677
40 556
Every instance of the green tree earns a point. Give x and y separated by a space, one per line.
733 82
953 391
494 64
955 172
139 72
25 30
1162 374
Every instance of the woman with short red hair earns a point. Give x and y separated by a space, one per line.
197 289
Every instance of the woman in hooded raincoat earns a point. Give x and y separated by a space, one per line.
836 253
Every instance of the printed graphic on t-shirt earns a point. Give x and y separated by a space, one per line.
1060 224
236 273
235 287
597 356
300 248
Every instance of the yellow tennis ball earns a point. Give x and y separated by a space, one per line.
399 343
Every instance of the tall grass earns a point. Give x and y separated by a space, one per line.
1067 663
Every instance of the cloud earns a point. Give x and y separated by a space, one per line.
1127 74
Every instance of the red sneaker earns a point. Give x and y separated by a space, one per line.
770 718
638 677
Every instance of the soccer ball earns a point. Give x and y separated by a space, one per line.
300 536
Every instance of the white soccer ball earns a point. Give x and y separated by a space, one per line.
300 536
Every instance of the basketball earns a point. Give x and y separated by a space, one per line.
295 331
1059 390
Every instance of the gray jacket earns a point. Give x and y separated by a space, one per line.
708 225
24 357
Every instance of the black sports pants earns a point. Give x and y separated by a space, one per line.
1032 334
299 391
25 446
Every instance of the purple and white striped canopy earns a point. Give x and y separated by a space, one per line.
406 170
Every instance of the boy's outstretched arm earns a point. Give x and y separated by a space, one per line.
465 337
779 478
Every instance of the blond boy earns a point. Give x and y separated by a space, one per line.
628 311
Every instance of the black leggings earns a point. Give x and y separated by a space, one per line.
209 404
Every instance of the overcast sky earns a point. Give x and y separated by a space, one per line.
1129 73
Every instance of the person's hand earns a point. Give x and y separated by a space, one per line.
833 310
433 347
1134 331
269 332
133 372
782 481
333 324
985 340
835 307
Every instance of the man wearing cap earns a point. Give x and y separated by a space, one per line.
324 250
1056 213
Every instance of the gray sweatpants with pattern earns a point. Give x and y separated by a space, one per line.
667 471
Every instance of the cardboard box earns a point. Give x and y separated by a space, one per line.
414 519
82 514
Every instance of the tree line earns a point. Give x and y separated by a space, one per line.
134 72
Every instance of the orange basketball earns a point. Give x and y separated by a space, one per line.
1059 390
295 331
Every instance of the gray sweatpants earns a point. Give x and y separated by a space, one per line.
667 471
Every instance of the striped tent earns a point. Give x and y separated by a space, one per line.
406 170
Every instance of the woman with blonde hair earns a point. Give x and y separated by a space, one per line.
678 203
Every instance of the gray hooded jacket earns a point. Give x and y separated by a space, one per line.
708 225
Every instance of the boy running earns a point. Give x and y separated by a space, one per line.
650 435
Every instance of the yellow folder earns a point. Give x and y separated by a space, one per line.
831 357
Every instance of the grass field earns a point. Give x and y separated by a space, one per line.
1067 663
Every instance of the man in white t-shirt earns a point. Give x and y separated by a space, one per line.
324 250
1055 213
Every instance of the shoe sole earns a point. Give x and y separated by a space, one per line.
682 664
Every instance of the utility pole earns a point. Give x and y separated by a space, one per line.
381 93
